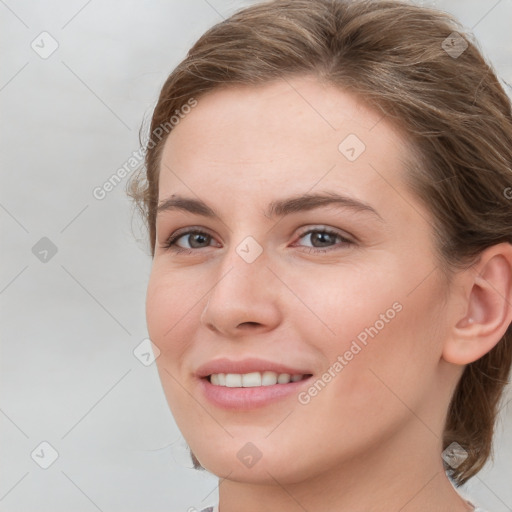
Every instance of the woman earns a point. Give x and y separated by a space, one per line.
327 194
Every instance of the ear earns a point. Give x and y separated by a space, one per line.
487 306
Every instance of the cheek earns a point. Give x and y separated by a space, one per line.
383 341
167 305
166 312
158 302
368 392
355 306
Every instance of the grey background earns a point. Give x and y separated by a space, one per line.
69 325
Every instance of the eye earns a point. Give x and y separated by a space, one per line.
324 236
198 239
194 236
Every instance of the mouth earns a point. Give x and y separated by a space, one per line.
250 383
254 379
252 391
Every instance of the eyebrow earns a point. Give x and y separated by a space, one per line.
277 208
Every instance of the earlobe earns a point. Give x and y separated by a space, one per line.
488 307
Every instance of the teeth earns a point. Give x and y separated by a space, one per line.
268 378
283 378
253 379
233 380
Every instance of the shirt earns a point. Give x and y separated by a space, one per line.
216 508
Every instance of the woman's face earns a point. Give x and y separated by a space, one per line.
345 294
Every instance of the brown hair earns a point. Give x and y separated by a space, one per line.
399 58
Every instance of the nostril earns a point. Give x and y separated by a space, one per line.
248 324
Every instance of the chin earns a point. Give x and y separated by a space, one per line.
243 464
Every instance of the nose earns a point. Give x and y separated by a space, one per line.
244 298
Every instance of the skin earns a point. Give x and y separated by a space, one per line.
371 439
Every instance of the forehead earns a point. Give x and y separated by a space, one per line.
294 108
286 135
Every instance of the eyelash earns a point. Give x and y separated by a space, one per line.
170 245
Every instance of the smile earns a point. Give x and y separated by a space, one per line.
253 379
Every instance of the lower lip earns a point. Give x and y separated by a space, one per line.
249 398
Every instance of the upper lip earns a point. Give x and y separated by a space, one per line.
224 365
